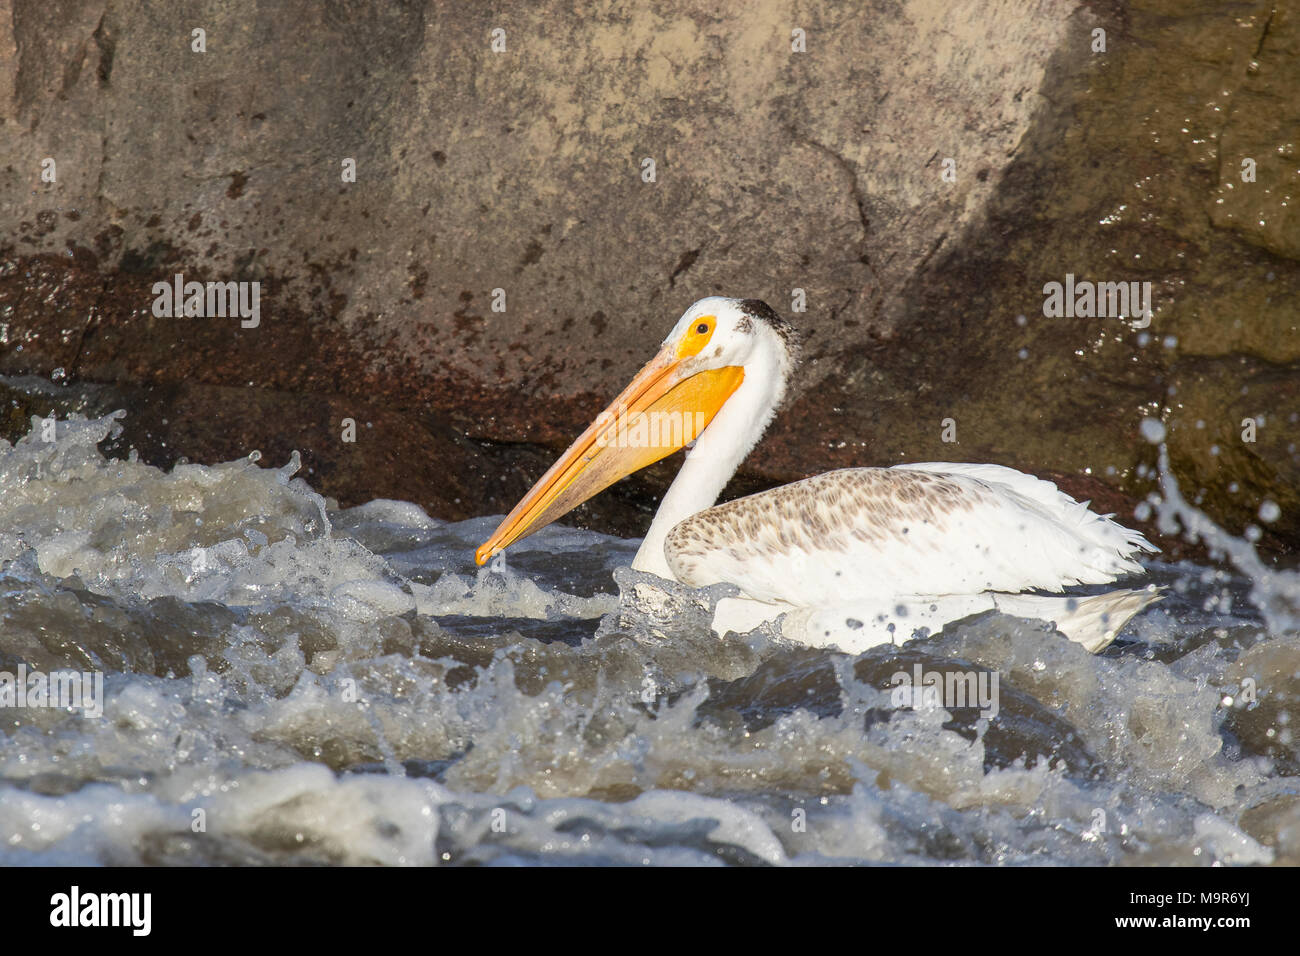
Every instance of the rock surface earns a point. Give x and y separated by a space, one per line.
774 171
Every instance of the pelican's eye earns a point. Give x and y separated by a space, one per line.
697 336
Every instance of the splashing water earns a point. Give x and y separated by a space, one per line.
284 681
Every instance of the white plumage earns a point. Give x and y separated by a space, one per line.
878 553
929 529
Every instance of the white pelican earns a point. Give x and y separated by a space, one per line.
849 558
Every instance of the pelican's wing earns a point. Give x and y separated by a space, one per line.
929 529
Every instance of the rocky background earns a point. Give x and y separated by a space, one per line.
522 169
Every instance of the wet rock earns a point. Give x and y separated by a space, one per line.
1232 432
1259 159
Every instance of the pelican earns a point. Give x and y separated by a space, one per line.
849 558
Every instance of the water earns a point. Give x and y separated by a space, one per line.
287 682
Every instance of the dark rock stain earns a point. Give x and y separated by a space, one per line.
419 279
685 262
532 255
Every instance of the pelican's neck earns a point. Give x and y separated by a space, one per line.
718 452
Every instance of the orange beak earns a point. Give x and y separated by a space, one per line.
661 410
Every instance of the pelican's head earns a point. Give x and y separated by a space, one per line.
667 405
718 332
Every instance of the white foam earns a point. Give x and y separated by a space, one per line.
260 651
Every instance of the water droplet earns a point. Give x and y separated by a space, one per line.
1152 430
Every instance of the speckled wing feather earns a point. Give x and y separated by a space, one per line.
927 529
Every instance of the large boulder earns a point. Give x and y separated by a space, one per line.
919 171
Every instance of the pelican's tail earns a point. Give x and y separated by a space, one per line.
1092 621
